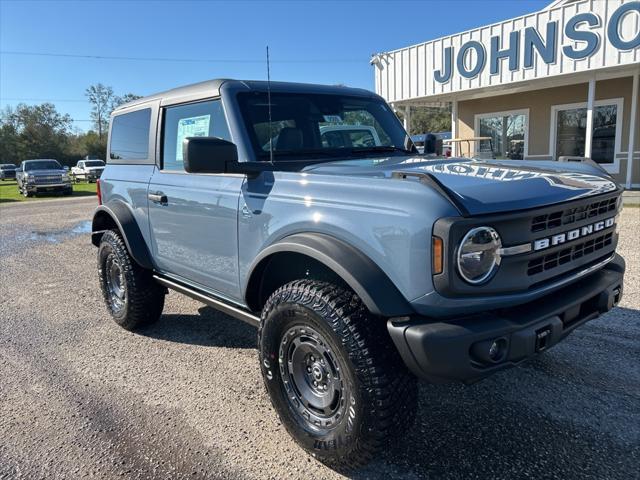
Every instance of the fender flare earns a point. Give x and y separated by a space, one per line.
359 272
124 219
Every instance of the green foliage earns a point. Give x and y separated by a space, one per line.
40 131
428 119
89 143
37 131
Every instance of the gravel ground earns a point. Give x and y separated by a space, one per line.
80 397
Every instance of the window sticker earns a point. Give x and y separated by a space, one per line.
191 127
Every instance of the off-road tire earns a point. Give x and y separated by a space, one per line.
143 298
380 394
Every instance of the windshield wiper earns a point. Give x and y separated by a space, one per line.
380 148
303 153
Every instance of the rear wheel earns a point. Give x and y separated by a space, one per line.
131 295
333 374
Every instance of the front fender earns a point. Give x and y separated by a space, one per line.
363 276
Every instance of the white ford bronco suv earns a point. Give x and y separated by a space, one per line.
363 264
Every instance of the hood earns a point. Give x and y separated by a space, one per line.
486 186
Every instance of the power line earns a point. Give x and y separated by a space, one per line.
19 99
170 59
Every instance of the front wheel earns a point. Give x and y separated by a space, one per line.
333 374
131 295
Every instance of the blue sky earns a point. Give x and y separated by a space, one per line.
310 41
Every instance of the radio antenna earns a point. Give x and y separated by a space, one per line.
269 107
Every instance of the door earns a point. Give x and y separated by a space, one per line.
193 217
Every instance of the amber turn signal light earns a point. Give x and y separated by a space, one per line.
437 255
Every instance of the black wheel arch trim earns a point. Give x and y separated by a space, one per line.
356 269
124 219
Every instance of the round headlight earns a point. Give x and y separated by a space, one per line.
478 255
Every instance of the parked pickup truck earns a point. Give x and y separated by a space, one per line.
363 267
7 171
44 175
89 170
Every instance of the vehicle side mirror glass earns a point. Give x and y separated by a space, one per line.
208 155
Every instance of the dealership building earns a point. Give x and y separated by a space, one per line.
560 82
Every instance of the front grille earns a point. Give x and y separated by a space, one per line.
48 179
556 219
566 255
555 223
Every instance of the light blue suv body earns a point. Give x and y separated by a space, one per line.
374 221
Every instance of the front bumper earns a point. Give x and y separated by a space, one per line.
458 349
92 176
55 187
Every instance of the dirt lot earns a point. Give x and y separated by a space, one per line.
82 398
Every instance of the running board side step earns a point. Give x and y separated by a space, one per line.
210 300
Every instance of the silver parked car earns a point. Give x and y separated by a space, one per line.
43 175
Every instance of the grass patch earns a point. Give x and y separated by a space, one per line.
9 192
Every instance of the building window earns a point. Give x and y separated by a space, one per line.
569 127
508 132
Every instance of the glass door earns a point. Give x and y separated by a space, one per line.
508 132
571 128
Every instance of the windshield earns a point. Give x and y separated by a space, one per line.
42 165
7 166
304 125
94 163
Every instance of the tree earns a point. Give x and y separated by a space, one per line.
428 120
89 143
126 98
33 131
102 101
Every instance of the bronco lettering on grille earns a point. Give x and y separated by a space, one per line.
565 237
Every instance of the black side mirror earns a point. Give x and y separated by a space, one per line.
430 143
438 146
208 155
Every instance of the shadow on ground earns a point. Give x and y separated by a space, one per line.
555 416
209 328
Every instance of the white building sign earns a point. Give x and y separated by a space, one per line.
570 38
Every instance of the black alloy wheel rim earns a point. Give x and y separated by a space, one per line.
312 379
114 277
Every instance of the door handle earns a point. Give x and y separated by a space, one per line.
158 197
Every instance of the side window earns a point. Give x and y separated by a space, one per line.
205 119
130 135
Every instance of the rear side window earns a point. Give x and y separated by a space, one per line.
204 119
130 136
